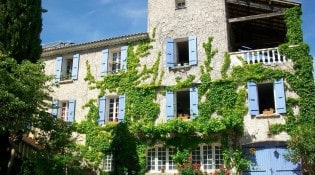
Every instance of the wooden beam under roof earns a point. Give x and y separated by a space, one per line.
247 3
287 2
253 17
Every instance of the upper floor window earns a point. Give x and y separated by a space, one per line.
67 68
64 110
114 60
266 98
180 4
182 103
181 52
111 109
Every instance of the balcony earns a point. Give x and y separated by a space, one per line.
266 56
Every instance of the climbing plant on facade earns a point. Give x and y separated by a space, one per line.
221 106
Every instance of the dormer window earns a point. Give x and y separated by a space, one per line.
180 4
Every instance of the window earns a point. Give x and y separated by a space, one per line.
218 158
108 162
181 103
266 98
181 52
180 4
111 109
64 110
67 68
114 60
208 156
159 158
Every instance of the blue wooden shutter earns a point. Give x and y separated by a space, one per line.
252 98
279 96
75 66
104 62
54 110
169 105
123 59
170 59
192 50
102 110
71 111
122 106
193 102
58 69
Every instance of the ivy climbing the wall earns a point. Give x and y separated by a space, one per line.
222 107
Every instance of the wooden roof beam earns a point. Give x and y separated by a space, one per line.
254 17
253 4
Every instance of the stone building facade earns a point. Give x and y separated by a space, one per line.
249 31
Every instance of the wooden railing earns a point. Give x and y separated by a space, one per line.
265 56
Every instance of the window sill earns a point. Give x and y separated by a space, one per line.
66 81
112 123
274 115
183 118
180 67
180 8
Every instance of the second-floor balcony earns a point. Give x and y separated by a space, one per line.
265 56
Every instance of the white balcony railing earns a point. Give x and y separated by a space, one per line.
265 56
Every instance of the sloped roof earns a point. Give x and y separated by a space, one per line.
59 49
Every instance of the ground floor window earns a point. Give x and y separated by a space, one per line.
159 158
108 162
208 156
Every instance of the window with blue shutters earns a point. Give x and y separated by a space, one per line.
181 52
182 103
111 109
67 68
114 60
266 98
64 110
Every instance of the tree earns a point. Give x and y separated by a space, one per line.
22 95
20 28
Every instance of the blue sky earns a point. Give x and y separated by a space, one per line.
89 20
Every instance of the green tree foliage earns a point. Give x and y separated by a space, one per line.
25 105
20 28
22 94
23 90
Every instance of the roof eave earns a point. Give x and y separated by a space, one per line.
47 52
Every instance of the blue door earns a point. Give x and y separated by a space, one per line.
269 159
